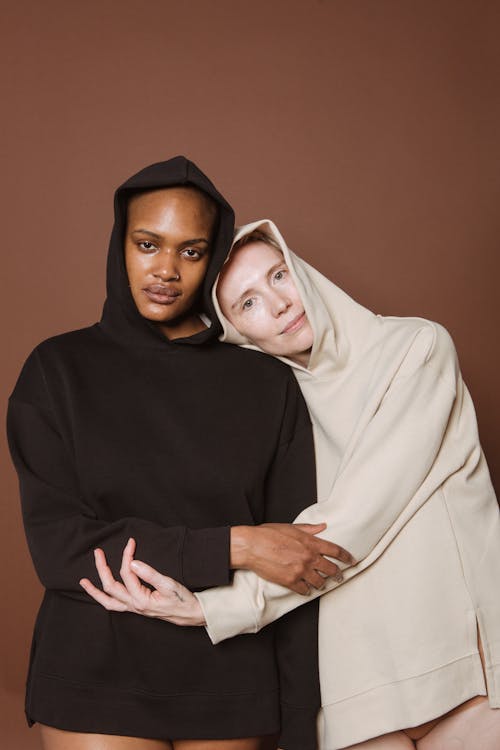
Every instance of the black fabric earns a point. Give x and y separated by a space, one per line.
116 432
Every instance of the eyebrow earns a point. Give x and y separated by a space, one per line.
249 291
156 236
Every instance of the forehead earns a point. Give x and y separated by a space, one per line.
176 205
252 259
247 267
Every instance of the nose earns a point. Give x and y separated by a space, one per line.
166 268
279 303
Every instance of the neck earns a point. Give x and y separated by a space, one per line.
183 328
302 358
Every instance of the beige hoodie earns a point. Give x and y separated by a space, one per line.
404 486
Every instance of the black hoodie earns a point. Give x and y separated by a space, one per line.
115 432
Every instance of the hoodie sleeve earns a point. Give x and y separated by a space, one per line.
291 482
422 432
63 530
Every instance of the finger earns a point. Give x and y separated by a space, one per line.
315 580
108 602
130 548
129 578
310 528
301 587
334 550
110 586
161 583
328 568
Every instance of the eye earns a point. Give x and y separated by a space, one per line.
192 253
146 246
247 304
279 275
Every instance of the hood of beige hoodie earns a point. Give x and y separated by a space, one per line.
343 332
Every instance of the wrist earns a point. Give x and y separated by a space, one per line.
239 546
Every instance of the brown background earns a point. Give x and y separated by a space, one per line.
368 130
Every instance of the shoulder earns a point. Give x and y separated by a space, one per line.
262 378
420 343
31 383
255 363
67 341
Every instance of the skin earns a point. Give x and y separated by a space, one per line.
57 739
257 295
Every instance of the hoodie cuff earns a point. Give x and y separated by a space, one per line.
228 611
205 557
298 728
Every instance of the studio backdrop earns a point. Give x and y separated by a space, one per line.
366 129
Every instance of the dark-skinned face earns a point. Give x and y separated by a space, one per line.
167 250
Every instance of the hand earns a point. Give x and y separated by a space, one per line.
288 554
170 600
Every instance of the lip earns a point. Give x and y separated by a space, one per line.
296 323
162 295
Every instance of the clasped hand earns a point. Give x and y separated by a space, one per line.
288 554
169 600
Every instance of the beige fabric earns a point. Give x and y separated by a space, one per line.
404 486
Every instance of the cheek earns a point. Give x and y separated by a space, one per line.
193 276
136 265
294 295
307 337
257 325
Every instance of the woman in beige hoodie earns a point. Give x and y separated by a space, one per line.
402 484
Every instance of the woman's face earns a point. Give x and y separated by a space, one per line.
258 296
167 246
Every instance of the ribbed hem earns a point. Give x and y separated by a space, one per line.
298 728
205 557
224 619
402 704
80 708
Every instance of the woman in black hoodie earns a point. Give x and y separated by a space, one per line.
144 425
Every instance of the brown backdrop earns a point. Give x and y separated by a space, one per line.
367 129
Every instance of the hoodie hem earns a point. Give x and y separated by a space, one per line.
402 704
78 707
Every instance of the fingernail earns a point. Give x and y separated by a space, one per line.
135 565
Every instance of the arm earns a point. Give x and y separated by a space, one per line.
63 529
397 462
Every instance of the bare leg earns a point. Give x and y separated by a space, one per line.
245 743
58 739
476 727
392 741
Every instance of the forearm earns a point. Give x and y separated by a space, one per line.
63 550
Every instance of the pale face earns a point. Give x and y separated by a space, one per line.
257 295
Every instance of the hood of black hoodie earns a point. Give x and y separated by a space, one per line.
121 318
